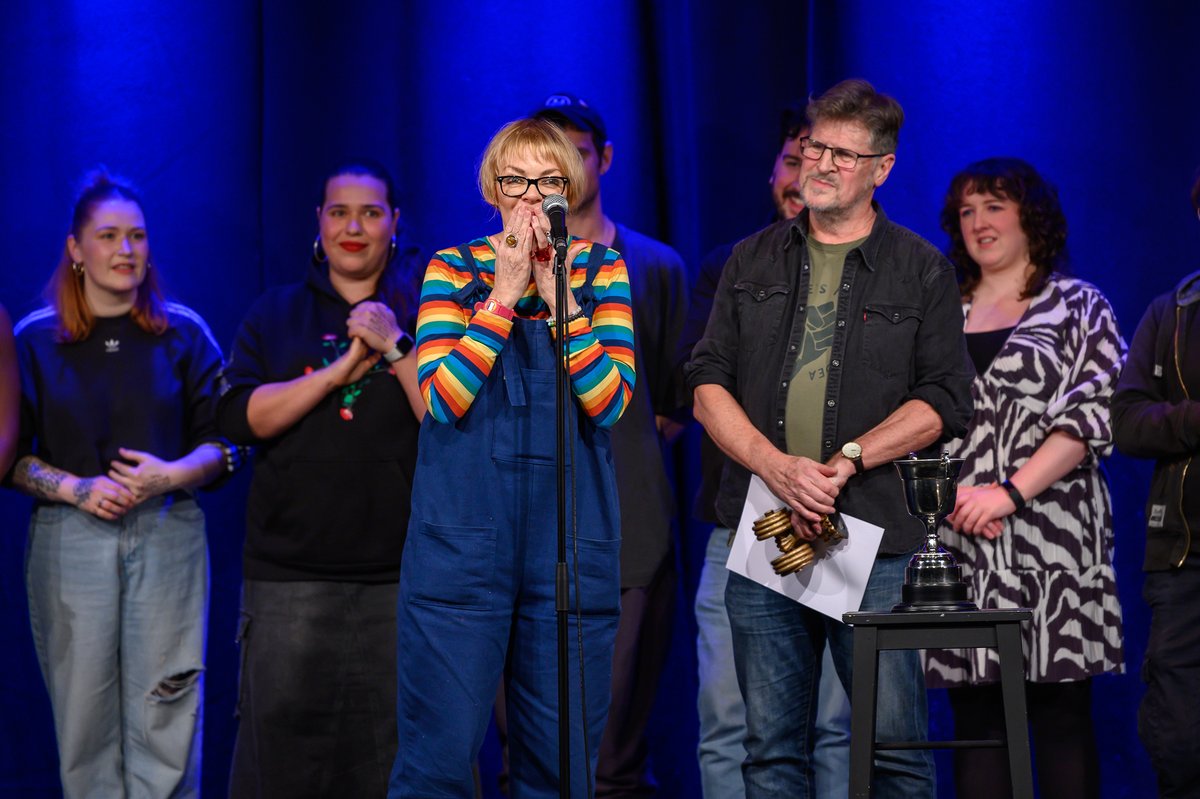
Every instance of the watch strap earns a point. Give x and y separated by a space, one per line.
1014 493
494 306
403 347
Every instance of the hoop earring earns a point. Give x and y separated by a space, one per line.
318 251
77 268
392 250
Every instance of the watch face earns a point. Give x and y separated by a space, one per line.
404 343
852 450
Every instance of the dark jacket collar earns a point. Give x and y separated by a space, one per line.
869 248
1188 290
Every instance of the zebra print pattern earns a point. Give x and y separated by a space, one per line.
1056 371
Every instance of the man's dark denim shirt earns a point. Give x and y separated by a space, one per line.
898 337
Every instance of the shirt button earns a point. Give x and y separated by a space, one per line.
830 403
792 348
845 287
762 294
841 323
785 384
804 268
779 423
836 363
895 317
828 444
801 308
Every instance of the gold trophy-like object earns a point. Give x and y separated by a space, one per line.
933 579
797 554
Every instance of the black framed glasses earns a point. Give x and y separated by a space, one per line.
517 185
845 159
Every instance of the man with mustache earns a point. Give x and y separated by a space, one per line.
721 710
835 345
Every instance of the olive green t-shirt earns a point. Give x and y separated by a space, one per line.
806 387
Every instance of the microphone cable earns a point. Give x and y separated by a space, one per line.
583 713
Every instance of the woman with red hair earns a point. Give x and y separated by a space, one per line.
116 431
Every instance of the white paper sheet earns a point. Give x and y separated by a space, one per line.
836 580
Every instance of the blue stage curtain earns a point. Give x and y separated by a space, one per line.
227 115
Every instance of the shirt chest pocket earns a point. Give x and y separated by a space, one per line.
761 308
889 332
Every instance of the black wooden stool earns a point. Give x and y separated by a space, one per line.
971 629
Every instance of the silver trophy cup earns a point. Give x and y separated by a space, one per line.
932 580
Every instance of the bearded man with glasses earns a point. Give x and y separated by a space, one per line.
835 345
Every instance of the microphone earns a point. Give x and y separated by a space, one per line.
555 207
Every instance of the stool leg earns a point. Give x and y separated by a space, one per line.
1012 686
862 710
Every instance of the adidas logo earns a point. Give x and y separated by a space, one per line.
112 345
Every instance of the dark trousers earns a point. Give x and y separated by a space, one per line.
1169 718
643 636
317 695
1063 739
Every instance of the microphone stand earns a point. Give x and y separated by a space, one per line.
561 598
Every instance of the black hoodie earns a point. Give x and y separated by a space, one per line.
1156 414
330 496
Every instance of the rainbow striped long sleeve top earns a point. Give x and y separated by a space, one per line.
457 347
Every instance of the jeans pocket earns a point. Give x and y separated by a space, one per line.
526 433
451 565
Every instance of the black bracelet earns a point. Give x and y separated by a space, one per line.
1014 494
234 455
577 314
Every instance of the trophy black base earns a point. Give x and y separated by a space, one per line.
951 597
933 582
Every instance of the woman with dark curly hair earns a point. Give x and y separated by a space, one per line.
1033 523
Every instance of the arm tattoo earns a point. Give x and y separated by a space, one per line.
155 485
38 478
83 490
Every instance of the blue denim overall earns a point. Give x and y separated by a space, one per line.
477 579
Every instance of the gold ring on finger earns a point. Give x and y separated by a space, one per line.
510 240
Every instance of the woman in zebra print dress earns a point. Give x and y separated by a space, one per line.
1033 523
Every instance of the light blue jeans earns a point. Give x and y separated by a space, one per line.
722 712
118 611
777 645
